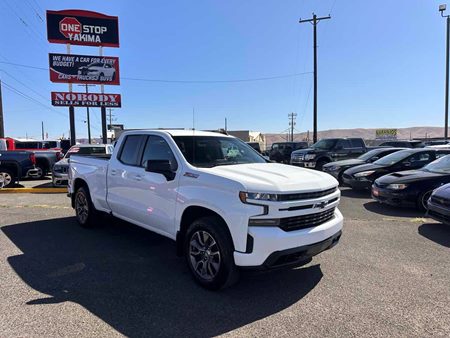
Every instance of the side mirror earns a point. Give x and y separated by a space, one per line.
375 158
162 167
406 164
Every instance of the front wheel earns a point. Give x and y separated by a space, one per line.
41 172
209 253
422 200
320 164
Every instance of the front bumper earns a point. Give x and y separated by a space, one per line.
303 164
438 212
271 244
394 198
354 183
60 178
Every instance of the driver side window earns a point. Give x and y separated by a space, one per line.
156 148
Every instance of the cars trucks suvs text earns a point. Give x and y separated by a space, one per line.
225 206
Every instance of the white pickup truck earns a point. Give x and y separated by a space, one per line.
223 204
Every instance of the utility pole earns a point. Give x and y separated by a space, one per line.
314 21
2 126
42 130
292 117
442 9
88 120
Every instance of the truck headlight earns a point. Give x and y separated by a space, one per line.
257 196
57 169
397 186
309 157
364 173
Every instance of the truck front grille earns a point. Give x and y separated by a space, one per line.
306 221
305 195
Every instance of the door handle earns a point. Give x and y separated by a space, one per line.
113 171
138 177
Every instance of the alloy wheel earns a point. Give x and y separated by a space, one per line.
5 179
82 207
204 254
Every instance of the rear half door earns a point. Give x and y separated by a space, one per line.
122 177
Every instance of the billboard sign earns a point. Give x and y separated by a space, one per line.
67 99
386 134
71 68
77 27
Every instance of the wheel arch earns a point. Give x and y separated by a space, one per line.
77 184
189 215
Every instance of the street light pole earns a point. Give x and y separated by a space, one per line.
88 120
442 8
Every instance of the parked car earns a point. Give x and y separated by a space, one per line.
281 151
439 204
403 144
412 188
336 169
223 209
328 150
61 168
15 165
363 176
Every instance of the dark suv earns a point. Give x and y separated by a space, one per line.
281 151
328 150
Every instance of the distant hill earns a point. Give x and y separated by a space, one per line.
367 134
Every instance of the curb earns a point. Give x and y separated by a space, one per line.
34 190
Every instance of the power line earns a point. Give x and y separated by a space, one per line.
181 81
332 7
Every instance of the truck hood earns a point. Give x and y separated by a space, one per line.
274 177
308 151
63 163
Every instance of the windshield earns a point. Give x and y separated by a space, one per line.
85 151
211 151
440 166
367 156
394 157
325 144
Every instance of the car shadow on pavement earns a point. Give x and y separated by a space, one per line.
436 232
388 210
131 278
348 192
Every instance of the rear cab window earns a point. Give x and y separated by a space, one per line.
131 148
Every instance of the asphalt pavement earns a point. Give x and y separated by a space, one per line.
389 276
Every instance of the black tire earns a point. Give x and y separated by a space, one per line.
84 209
42 172
320 164
210 259
422 200
7 179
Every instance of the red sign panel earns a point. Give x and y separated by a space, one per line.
73 68
66 99
79 27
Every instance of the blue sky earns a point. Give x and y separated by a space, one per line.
381 64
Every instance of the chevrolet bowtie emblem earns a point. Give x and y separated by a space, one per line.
321 205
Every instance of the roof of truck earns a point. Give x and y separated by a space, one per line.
183 132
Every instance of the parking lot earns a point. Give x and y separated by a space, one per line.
390 276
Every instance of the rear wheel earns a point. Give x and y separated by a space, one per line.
320 164
209 253
41 172
84 209
7 178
